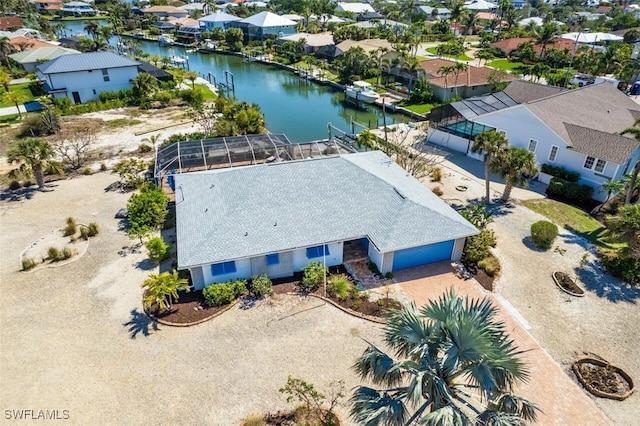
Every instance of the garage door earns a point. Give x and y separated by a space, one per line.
416 256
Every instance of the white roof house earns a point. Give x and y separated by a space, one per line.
276 218
356 8
263 24
480 5
28 59
217 20
591 38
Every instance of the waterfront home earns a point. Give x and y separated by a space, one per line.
312 42
579 129
263 24
78 8
434 13
82 77
48 6
29 59
276 218
355 8
217 20
165 11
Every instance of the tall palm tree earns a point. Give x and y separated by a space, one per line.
163 289
612 187
192 76
545 35
458 67
491 143
6 48
454 364
93 29
514 165
35 158
635 131
411 66
445 71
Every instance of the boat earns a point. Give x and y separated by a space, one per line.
165 40
361 91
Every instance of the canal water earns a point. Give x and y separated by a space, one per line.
291 105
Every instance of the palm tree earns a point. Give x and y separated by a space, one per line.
445 71
612 187
163 289
6 48
15 98
192 76
411 66
144 84
458 67
35 158
491 143
93 29
635 131
545 35
626 224
514 165
454 364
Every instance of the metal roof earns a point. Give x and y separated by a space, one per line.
249 211
86 61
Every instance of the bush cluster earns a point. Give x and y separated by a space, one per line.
312 276
490 265
544 233
570 190
627 268
339 287
478 246
560 172
224 293
28 264
71 228
260 286
158 250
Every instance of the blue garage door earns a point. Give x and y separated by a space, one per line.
416 256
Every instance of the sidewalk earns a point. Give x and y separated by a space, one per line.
11 110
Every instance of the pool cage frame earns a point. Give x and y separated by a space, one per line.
236 151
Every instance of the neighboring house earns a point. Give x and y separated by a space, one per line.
480 5
575 129
217 20
434 13
313 42
395 26
22 43
264 24
474 81
165 11
192 8
355 8
509 45
48 6
29 59
78 8
82 77
158 73
518 4
368 45
10 23
164 26
296 212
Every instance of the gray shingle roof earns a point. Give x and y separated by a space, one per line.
601 107
86 61
255 210
523 91
606 146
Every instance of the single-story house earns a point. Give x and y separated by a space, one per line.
264 24
434 13
276 218
355 8
510 44
217 20
480 5
165 11
474 81
9 23
29 59
81 77
579 129
368 45
78 8
312 42
395 26
22 43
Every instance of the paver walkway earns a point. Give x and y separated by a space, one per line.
562 401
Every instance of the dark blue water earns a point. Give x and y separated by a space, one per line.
291 105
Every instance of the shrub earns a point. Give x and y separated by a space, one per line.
543 233
87 171
339 287
436 174
261 285
560 172
144 148
93 229
53 253
570 190
224 293
84 233
71 228
437 190
67 253
374 269
14 184
28 264
477 247
490 265
477 215
389 275
158 250
627 268
103 167
312 276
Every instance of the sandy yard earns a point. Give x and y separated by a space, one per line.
74 338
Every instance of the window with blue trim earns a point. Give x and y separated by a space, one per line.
223 268
273 259
313 252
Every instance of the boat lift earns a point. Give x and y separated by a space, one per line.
227 86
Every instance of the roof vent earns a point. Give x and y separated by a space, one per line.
399 193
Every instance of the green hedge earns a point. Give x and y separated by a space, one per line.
560 172
224 293
544 233
625 268
570 190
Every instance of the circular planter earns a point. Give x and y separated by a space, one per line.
617 373
567 284
461 188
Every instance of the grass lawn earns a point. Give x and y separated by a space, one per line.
20 88
576 220
462 57
504 64
419 108
10 119
207 94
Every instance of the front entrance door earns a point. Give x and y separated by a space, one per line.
76 97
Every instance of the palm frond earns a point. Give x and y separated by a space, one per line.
512 404
407 333
449 415
377 366
495 418
371 407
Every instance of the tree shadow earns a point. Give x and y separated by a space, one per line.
528 243
19 194
597 281
146 265
140 323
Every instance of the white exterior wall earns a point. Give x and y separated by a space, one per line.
384 261
458 246
334 258
86 83
243 271
448 140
